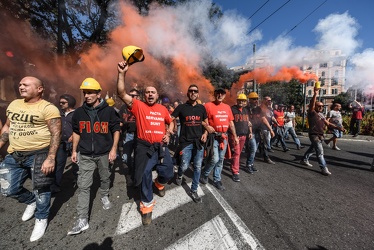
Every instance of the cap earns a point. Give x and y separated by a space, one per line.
220 90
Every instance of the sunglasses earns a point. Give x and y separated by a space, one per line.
253 99
133 95
63 102
319 106
193 91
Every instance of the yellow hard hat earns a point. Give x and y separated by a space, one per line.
241 97
132 54
90 83
110 102
253 95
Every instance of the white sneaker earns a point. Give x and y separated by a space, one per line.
106 203
29 211
79 226
306 163
336 148
325 171
39 229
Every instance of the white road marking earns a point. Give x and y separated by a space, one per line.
246 234
130 216
211 235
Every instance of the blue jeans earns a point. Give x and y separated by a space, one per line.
216 161
251 150
128 149
187 154
292 132
12 178
316 146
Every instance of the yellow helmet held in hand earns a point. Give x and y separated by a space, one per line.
132 54
110 102
253 95
90 83
241 97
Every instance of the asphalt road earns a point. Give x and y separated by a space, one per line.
282 206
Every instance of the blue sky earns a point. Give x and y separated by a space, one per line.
295 11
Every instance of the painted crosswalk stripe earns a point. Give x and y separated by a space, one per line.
130 217
246 234
211 235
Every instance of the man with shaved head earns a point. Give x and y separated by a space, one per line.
151 149
317 123
33 129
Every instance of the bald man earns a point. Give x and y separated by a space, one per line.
33 129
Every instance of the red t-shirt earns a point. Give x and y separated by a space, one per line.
219 116
279 116
150 121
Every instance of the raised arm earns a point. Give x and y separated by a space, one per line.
313 101
122 68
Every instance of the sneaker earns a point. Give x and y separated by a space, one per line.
39 229
147 218
29 211
79 226
218 185
355 135
336 148
160 188
253 169
286 149
195 197
204 179
269 161
179 180
235 177
325 171
270 150
327 143
300 147
106 203
306 163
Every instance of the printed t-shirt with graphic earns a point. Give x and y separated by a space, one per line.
150 120
219 116
191 118
335 118
28 129
241 120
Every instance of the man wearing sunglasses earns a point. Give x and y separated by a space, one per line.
317 123
192 137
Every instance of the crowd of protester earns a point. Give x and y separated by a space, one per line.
147 129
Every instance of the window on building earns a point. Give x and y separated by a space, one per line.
323 73
309 92
334 81
323 65
324 91
334 91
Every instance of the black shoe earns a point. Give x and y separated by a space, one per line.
218 185
147 218
270 150
179 180
235 177
355 135
269 161
300 147
204 179
254 169
286 149
195 197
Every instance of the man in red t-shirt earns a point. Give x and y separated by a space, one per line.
279 135
151 149
358 112
220 117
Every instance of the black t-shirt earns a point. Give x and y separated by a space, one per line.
128 120
316 123
191 118
241 119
